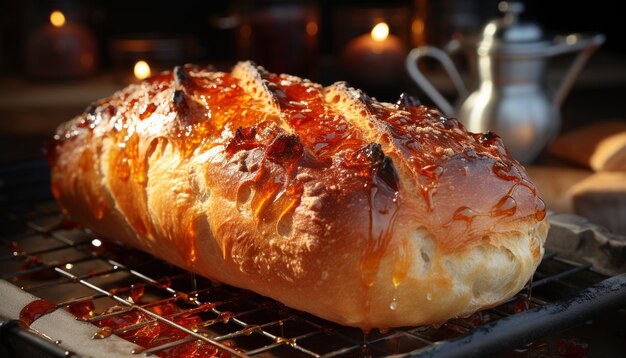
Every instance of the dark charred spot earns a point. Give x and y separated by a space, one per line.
179 98
437 117
491 141
243 166
364 97
310 160
242 163
111 110
285 148
247 133
91 109
374 152
180 76
380 166
486 137
278 93
262 71
181 105
447 122
89 116
407 101
367 101
387 172
244 139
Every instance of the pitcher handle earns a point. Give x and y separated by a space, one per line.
586 45
430 90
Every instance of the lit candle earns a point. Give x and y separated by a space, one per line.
135 57
60 49
57 19
141 70
376 58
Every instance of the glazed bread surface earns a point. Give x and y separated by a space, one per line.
365 213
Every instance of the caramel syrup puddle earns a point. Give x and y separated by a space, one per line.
35 310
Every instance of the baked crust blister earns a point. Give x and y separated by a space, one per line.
365 213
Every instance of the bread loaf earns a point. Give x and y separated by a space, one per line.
600 146
368 214
601 198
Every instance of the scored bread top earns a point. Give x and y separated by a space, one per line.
302 162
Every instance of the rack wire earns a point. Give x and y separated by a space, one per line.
46 254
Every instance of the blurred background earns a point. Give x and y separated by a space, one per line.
56 57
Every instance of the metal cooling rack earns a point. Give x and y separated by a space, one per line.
76 267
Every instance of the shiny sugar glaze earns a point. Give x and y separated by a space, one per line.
82 309
329 137
155 333
211 109
36 309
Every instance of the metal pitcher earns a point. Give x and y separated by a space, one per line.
511 99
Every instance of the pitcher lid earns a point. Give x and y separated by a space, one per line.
510 33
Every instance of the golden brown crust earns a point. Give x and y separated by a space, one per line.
600 145
365 213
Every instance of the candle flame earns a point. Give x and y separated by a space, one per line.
380 32
57 19
142 70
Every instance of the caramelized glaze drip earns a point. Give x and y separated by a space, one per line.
147 111
287 341
244 139
402 264
251 329
136 292
507 206
381 188
189 248
83 309
104 332
273 198
540 207
157 333
464 214
35 310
